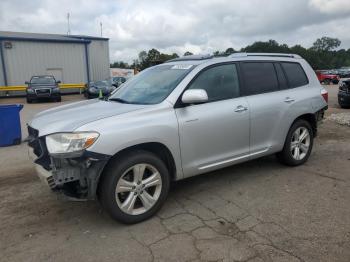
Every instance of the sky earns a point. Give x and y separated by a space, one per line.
199 26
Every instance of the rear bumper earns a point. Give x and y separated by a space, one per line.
344 98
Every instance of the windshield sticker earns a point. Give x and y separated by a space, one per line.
182 67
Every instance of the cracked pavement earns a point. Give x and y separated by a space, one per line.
256 211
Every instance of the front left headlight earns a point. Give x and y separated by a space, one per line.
62 143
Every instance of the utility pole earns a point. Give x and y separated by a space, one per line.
68 24
101 28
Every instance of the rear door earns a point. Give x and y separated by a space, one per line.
216 133
268 101
300 93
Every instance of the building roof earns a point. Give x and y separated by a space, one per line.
21 36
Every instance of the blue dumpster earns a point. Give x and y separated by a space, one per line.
10 125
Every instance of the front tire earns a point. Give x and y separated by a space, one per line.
134 186
298 145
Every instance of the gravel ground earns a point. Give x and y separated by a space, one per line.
256 211
340 118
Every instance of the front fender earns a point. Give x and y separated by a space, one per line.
135 128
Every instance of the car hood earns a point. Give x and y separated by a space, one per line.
69 117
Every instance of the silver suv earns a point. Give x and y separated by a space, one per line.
186 117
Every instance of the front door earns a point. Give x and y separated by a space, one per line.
216 133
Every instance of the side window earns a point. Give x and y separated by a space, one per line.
295 74
282 81
220 82
259 77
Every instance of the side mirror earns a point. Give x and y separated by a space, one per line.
26 82
58 82
194 96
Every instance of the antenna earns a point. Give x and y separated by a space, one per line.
68 24
101 28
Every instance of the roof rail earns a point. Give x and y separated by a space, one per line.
192 57
265 54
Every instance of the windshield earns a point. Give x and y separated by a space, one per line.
42 80
151 86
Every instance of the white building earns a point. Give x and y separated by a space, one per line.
72 59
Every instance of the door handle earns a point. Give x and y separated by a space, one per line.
240 109
289 100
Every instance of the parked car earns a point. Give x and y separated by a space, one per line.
344 73
44 86
344 93
327 78
186 117
118 80
94 89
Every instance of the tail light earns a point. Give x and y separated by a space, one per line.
324 94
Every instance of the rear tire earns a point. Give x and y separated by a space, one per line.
134 186
298 144
29 101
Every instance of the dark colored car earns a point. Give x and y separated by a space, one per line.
344 73
344 93
93 89
118 80
43 87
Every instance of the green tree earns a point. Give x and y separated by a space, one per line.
326 44
188 53
120 64
142 56
322 55
151 58
229 51
270 46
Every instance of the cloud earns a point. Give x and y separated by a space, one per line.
181 25
331 6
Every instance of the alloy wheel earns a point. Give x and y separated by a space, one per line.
300 143
138 189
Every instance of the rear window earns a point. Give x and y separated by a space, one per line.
259 77
295 74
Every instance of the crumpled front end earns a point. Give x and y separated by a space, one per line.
75 175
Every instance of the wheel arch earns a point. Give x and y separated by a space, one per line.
309 117
157 148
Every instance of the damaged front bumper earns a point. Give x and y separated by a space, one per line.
75 175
